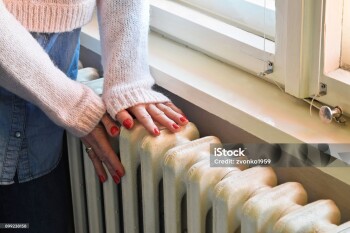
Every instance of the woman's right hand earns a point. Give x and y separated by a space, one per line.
101 151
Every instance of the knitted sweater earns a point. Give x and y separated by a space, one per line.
124 31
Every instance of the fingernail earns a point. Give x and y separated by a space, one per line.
183 119
175 126
119 173
114 130
116 179
156 131
127 123
102 178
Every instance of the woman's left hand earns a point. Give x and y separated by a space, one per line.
166 114
100 151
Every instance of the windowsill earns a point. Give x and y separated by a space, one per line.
340 75
242 99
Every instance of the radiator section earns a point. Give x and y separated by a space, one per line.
170 187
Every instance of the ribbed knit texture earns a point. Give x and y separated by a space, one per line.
124 37
27 71
51 15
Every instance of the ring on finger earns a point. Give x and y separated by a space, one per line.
88 149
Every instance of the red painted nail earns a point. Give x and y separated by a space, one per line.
102 178
119 173
175 126
116 179
127 123
156 131
114 130
183 119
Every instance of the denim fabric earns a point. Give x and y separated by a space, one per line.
30 143
45 203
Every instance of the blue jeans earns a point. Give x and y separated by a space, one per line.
45 203
35 179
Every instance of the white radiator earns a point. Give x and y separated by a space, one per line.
182 193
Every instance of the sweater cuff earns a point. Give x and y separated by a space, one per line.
120 98
87 115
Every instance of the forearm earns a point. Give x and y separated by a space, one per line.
124 36
27 71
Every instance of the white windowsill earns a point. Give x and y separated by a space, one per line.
242 99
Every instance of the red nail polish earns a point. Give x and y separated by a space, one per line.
102 178
183 119
119 173
116 179
175 126
156 131
114 130
127 123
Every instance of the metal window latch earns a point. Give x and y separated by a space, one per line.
269 69
327 114
323 89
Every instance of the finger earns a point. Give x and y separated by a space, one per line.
110 125
125 119
145 119
112 162
162 118
99 169
172 114
107 155
104 151
173 107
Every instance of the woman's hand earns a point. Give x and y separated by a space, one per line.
166 114
100 150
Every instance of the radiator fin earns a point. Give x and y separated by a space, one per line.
219 200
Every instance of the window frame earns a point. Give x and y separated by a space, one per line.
261 24
177 22
331 74
223 42
298 59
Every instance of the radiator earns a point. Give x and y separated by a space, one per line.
170 187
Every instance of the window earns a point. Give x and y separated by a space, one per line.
255 16
207 26
345 54
334 54
303 40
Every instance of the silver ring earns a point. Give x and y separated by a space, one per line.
88 149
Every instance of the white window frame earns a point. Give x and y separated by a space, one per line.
260 19
298 54
239 48
345 60
336 79
211 36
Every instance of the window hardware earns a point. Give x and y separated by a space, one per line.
269 70
327 114
323 89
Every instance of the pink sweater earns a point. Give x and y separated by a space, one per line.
124 38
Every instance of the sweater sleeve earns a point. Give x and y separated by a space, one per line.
124 28
27 71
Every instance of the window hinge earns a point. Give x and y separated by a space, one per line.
269 69
323 89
